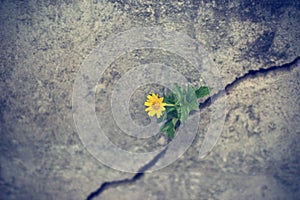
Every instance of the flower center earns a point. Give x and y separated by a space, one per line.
156 106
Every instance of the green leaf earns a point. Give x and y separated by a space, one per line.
168 125
170 99
192 99
169 129
171 133
170 109
202 91
174 121
186 101
184 114
179 92
171 115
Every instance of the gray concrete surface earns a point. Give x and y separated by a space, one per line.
43 44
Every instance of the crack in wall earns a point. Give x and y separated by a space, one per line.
137 176
250 74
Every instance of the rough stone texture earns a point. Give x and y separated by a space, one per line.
257 156
43 44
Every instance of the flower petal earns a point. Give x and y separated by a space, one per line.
147 103
151 113
158 114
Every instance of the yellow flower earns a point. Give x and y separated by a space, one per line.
155 105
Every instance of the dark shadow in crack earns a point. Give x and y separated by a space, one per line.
136 177
249 74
